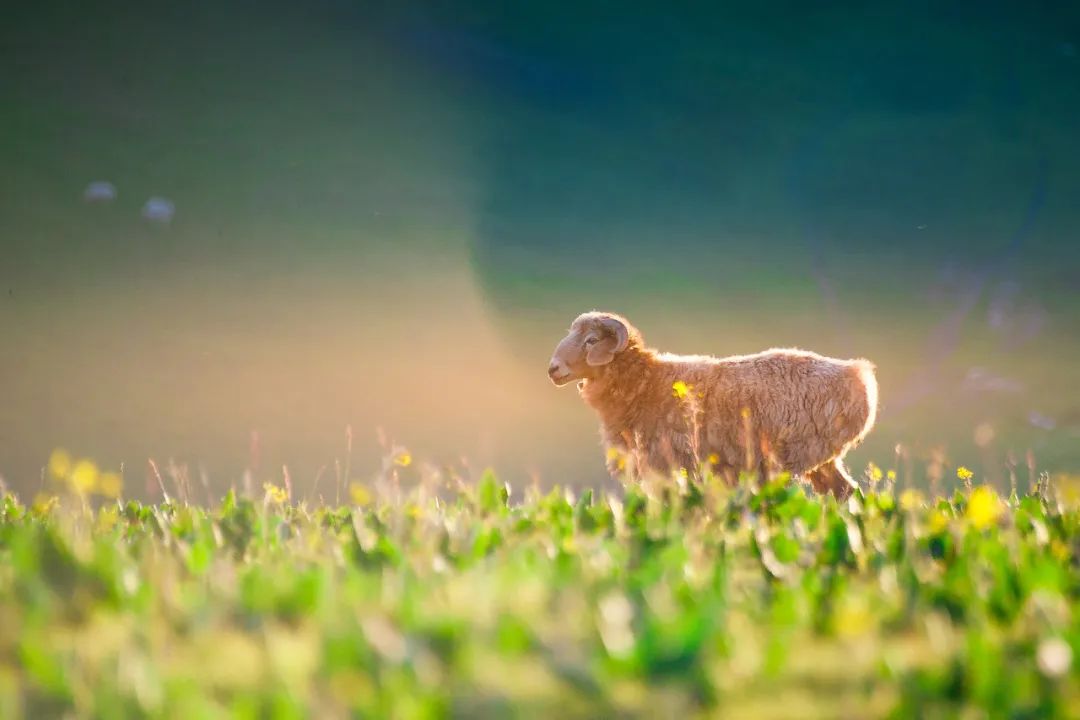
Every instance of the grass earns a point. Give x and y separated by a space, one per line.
441 597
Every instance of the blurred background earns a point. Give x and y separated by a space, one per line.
228 225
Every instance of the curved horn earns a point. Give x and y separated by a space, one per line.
604 352
622 335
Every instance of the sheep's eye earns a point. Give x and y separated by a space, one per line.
590 341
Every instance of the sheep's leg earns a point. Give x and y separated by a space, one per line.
615 461
618 455
623 467
763 472
832 477
674 455
845 477
727 474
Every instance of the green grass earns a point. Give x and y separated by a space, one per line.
448 598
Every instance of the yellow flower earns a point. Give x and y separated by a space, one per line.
964 474
911 499
59 464
403 459
680 388
984 507
107 519
937 521
1068 488
110 484
714 459
275 493
891 476
359 494
875 473
44 504
854 617
83 477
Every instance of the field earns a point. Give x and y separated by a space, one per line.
423 594
386 214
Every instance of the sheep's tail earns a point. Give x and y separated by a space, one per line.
861 408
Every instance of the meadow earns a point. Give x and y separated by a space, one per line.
386 214
425 594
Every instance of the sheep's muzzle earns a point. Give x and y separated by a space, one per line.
559 373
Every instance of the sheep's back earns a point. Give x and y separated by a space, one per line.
804 407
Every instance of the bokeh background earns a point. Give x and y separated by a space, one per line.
386 214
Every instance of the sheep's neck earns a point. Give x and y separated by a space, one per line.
617 394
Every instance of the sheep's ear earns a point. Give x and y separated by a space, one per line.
604 351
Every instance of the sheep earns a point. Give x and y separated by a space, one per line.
778 410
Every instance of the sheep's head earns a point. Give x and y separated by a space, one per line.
594 340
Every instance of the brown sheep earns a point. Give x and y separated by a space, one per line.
778 410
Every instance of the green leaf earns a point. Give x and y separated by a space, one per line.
487 492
